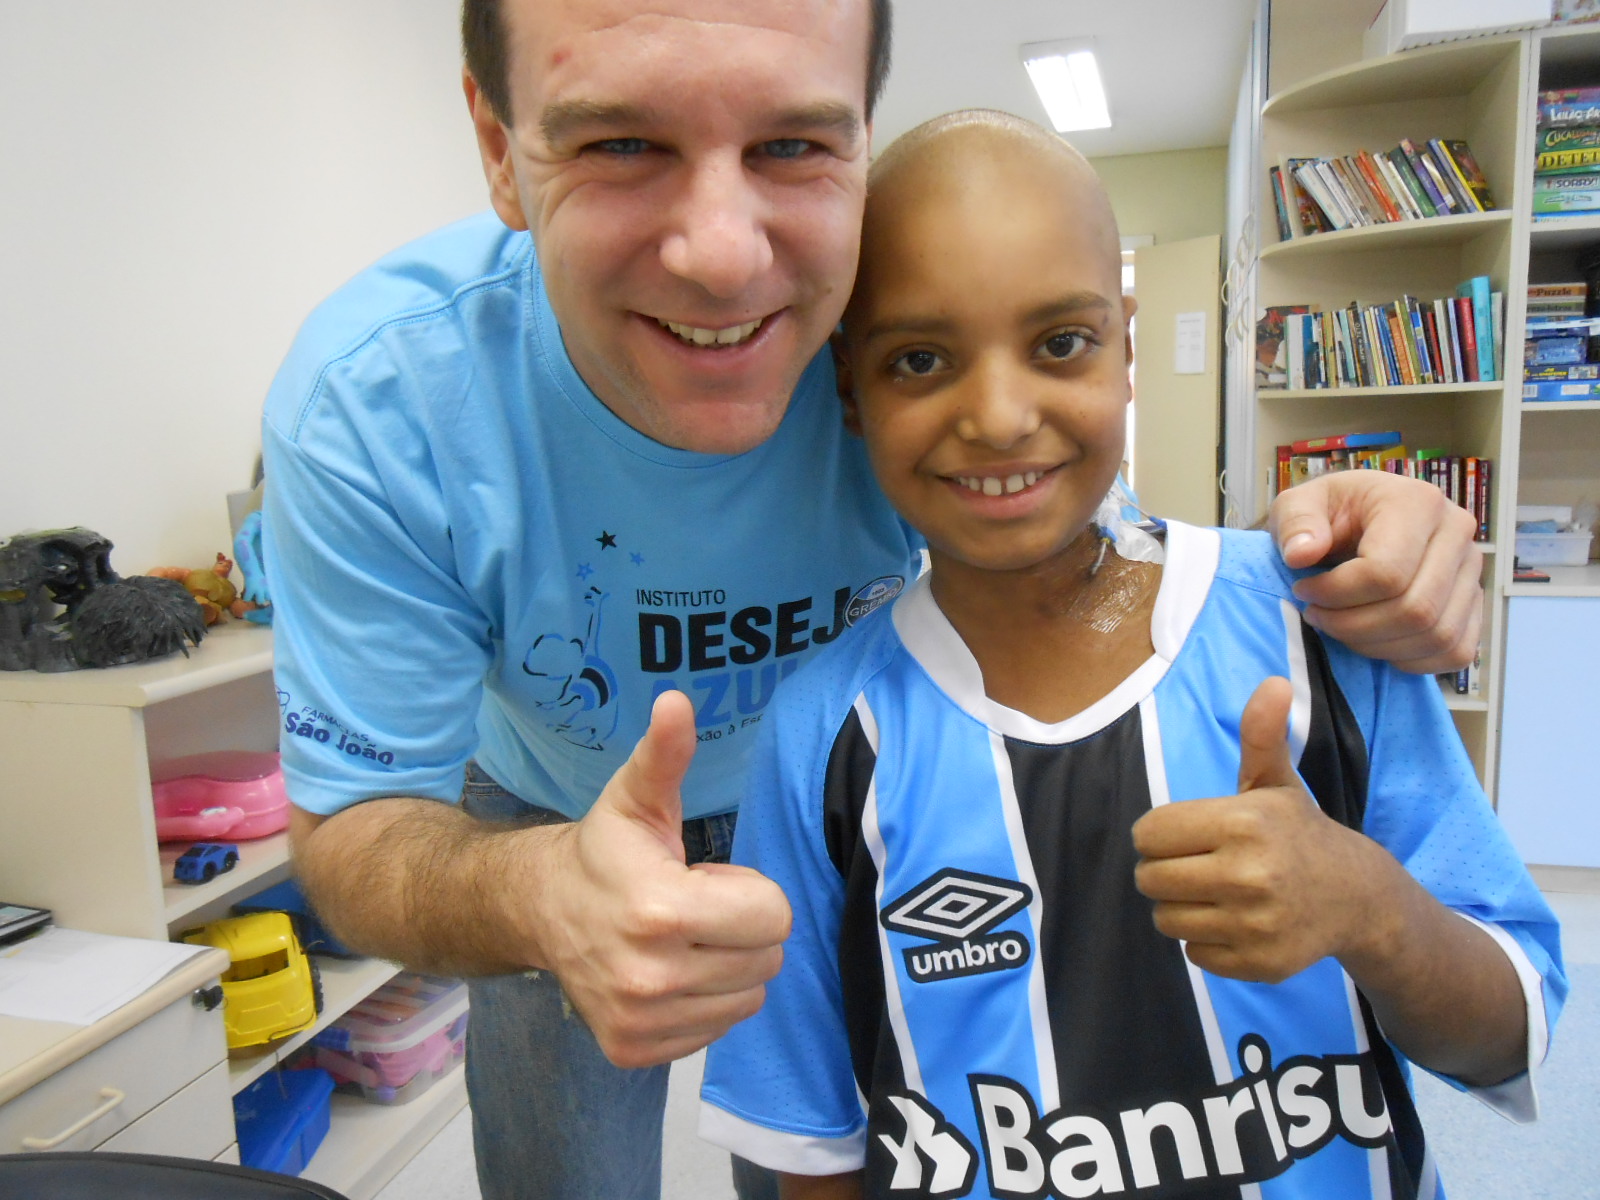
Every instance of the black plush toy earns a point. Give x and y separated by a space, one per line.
105 620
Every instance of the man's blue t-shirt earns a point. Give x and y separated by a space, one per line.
470 556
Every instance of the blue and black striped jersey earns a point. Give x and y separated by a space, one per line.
975 1001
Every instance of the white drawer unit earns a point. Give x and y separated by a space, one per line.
180 1050
196 1123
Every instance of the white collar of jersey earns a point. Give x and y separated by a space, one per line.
1191 564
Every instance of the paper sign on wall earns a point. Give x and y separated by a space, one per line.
1189 344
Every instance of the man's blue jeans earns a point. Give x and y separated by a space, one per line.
552 1119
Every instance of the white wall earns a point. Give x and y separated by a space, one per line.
180 182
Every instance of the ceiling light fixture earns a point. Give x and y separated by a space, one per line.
1067 78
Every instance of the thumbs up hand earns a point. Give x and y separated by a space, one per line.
1262 884
659 958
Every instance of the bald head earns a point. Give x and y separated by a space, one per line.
983 152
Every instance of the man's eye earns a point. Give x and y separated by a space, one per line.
1063 345
916 362
786 147
625 146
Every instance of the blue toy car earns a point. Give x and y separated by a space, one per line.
204 861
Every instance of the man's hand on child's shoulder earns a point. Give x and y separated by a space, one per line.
1262 884
1406 585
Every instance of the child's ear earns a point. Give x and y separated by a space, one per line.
845 380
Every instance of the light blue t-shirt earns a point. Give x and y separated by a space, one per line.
470 556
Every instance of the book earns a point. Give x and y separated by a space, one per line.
1378 186
1497 330
1398 188
1441 185
1419 194
1316 187
1470 173
1457 351
1345 441
1443 204
1272 369
1469 339
1280 205
1476 290
1440 158
1306 217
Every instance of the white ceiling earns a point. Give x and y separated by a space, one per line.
1171 67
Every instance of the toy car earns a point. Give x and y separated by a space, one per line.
272 989
204 861
236 794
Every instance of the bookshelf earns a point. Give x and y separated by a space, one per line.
1324 99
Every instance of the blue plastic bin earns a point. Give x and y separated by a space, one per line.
282 1118
287 897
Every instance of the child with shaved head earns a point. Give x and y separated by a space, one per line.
1109 874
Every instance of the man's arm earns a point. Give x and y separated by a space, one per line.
1406 588
658 957
1263 884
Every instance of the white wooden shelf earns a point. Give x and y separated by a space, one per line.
262 863
1537 406
234 650
368 1143
1564 233
1425 73
345 983
1564 581
1267 395
1391 235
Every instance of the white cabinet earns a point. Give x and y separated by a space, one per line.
1549 789
79 838
152 1077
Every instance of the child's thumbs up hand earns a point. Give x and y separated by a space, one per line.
1262 884
659 958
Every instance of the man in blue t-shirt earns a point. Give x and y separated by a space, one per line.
547 480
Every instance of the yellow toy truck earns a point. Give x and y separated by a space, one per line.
272 989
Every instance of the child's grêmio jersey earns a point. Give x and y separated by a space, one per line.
975 1001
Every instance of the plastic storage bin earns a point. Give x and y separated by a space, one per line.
399 1041
282 1118
1553 549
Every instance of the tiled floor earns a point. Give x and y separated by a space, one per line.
1481 1155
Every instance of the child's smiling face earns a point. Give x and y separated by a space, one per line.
987 346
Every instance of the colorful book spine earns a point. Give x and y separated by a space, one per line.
1476 290
1471 173
1443 204
1419 194
1469 338
1345 441
1453 180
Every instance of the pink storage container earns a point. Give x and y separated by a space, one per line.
228 794
399 1041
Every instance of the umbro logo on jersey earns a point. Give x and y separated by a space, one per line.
958 909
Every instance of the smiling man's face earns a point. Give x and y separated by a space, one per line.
693 172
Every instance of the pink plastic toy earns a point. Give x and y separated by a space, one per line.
233 794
